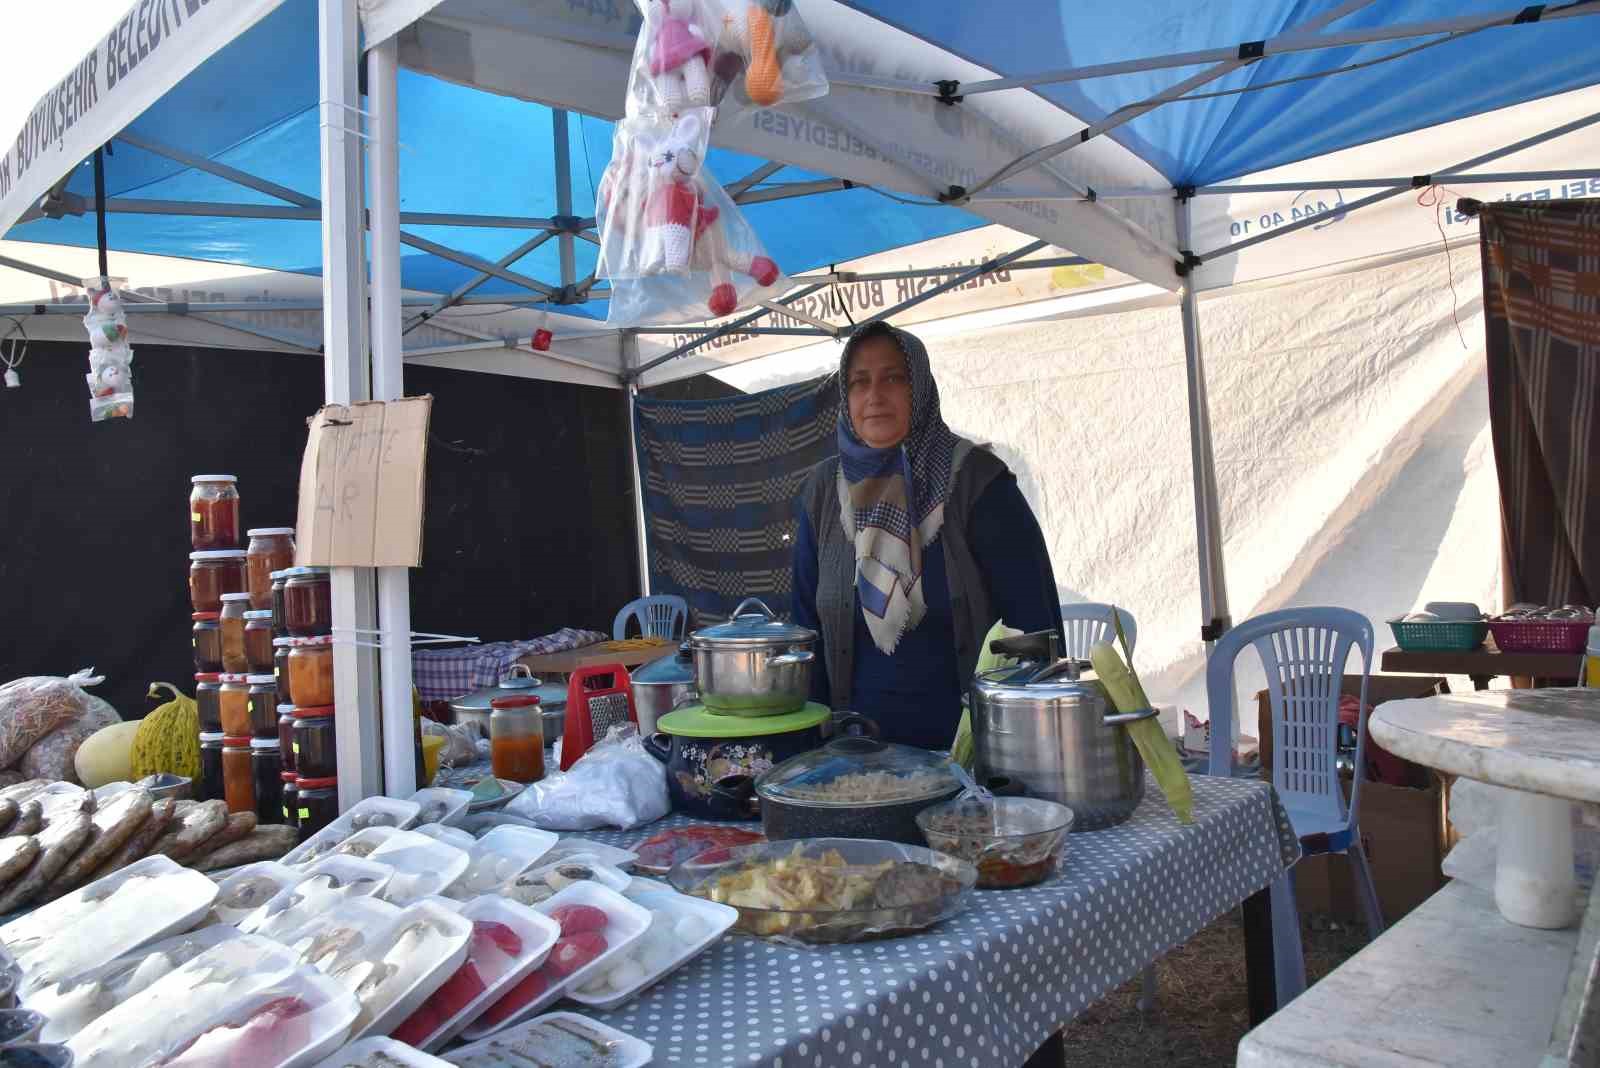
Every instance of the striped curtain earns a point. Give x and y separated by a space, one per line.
721 481
1541 283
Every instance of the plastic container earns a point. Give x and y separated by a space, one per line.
208 700
213 573
1442 636
1541 635
316 751
376 1051
449 835
516 739
1591 659
248 888
527 1041
317 807
386 812
1012 841
442 805
509 941
207 642
311 672
681 928
625 923
233 702
344 935
286 736
270 549
209 787
35 1055
258 643
362 844
307 602
425 963
621 859
280 668
263 708
422 866
214 512
499 857
291 799
238 776
280 620
662 850
266 769
19 1026
231 623
536 885
328 884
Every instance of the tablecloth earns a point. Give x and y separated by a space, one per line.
988 986
445 674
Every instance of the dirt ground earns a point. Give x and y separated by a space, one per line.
1201 1008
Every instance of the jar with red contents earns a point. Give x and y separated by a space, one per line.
311 671
308 602
213 573
238 774
271 549
214 512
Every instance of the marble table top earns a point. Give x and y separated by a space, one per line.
1540 741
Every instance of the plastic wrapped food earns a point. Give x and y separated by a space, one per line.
328 884
563 1038
499 857
252 886
386 812
440 804
404 965
660 852
422 866
615 784
32 707
52 756
341 937
381 1052
110 374
681 928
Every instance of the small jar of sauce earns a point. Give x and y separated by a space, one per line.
214 512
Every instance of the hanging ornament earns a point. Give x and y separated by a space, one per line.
110 374
13 350
542 335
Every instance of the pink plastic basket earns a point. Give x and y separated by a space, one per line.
1540 635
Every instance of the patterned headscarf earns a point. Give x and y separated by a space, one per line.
892 500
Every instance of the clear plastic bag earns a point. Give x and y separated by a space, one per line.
706 53
51 757
110 374
673 57
615 784
32 707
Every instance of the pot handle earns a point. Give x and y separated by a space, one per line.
733 797
1113 719
846 726
659 745
794 656
753 602
1005 786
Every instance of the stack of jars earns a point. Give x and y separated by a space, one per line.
302 646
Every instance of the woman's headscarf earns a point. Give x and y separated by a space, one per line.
892 500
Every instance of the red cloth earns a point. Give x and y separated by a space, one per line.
1382 765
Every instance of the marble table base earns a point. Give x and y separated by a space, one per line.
1533 880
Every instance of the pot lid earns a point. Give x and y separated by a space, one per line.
1063 679
519 681
753 623
860 771
667 670
696 721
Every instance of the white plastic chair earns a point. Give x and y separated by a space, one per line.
1087 622
1303 651
662 616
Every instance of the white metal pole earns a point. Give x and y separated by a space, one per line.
563 161
388 383
630 359
346 381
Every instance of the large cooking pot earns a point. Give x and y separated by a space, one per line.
754 664
711 759
473 709
1050 726
662 685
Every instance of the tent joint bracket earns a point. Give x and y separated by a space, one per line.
1216 628
567 224
956 194
1251 50
1531 13
1184 192
949 91
1189 262
1421 181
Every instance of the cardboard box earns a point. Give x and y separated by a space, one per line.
1380 688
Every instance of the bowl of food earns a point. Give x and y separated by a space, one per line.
854 788
1011 841
828 890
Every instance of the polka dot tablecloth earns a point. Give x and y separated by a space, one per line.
988 986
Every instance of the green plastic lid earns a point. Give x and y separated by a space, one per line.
696 721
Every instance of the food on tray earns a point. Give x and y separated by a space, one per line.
271 1033
1013 841
565 1041
871 786
263 843
58 844
670 936
492 952
532 887
583 940
659 852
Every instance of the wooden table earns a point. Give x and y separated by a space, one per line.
1483 664
565 663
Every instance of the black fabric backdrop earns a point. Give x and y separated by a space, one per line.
529 522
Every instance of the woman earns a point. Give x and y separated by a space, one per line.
912 542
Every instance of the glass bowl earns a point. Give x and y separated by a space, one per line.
1012 841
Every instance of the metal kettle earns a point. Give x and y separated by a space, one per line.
1048 723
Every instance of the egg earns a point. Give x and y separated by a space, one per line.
689 929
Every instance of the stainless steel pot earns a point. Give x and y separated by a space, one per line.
1051 727
473 709
755 664
662 685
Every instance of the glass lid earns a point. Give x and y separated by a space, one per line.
860 771
753 623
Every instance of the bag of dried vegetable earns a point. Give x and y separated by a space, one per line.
32 707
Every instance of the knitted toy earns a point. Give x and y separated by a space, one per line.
678 56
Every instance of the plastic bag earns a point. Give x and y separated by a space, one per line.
615 784
460 746
51 757
32 707
110 374
701 53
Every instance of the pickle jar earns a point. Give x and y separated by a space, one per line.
316 754
208 702
258 642
234 701
263 706
317 804
266 767
280 666
290 792
231 620
271 549
207 642
212 574
307 602
238 776
311 671
280 622
214 512
210 787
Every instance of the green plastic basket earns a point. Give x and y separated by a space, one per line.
1442 636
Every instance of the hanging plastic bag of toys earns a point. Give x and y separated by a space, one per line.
110 376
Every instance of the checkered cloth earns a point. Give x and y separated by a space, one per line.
443 674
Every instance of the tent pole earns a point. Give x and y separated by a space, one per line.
388 383
455 296
1412 182
100 213
630 359
563 162
355 668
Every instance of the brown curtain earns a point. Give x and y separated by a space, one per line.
1541 297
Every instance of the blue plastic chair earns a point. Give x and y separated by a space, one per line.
1304 652
1087 622
661 616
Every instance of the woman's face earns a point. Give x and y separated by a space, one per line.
879 393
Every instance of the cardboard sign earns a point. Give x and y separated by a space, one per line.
361 485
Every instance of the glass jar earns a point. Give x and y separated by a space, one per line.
207 642
263 706
212 574
209 788
286 736
231 621
308 602
316 753
214 512
280 667
208 702
238 778
266 767
258 642
280 622
271 549
516 739
317 804
311 671
290 792
233 701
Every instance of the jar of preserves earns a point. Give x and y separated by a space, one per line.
308 601
516 738
207 642
212 574
214 512
280 622
263 706
208 702
316 753
317 804
233 699
286 736
231 621
290 792
311 671
280 667
258 642
209 788
238 779
270 549
266 766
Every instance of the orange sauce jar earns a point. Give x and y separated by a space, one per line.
238 775
516 739
311 672
270 549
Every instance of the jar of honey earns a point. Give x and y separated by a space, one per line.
214 512
233 701
271 549
311 671
238 775
516 739
213 573
207 642
231 621
258 642
308 601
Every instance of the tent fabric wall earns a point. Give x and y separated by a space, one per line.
1542 293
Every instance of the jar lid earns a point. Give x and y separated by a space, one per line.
231 598
197 479
204 617
263 743
229 676
316 784
287 709
218 554
259 613
210 736
758 627
287 776
261 680
299 572
207 676
268 532
237 743
276 575
282 643
312 643
529 701
857 772
317 712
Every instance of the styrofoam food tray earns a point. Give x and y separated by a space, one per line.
454 804
500 856
538 934
360 878
280 874
627 1051
374 919
626 922
621 859
717 917
448 835
453 950
401 814
422 866
604 874
360 1054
